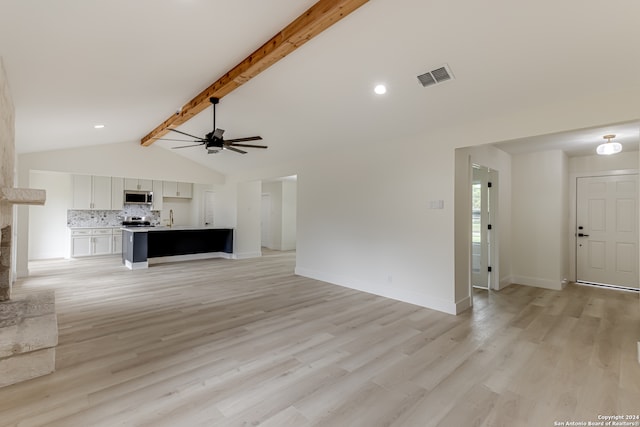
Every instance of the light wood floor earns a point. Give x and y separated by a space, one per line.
235 343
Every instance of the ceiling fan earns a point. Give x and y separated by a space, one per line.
213 141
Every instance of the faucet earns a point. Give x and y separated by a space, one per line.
170 217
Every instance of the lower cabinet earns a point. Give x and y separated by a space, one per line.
117 242
95 241
81 243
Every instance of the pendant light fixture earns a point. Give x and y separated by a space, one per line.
609 147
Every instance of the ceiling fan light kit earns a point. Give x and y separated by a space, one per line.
608 148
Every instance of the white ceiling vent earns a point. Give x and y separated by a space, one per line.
439 75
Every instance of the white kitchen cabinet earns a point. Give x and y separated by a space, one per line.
81 243
169 188
137 184
81 192
177 189
91 242
185 189
91 192
158 188
102 239
117 193
101 192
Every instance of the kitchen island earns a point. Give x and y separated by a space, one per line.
142 246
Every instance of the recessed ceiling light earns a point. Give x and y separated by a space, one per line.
98 126
380 89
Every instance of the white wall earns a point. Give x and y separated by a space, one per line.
289 215
247 234
182 214
590 164
49 235
127 159
365 222
540 219
274 190
225 206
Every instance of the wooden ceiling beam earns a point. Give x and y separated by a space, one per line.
314 21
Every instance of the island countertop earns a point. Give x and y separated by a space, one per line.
144 245
173 228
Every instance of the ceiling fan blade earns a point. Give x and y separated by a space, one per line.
250 138
248 145
187 146
184 133
228 147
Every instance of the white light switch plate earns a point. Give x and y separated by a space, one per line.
436 204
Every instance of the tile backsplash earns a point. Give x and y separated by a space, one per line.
97 218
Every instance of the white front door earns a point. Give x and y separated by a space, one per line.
607 230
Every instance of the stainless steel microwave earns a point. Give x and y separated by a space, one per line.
132 197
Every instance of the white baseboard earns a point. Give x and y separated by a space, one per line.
463 304
537 282
136 265
245 255
504 282
411 297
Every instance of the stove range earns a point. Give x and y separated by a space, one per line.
136 221
136 224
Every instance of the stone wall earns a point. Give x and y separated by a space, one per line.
28 324
7 159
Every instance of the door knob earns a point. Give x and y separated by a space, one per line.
582 235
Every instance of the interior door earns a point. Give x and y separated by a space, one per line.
607 230
209 206
480 220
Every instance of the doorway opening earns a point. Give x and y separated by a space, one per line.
279 214
483 227
265 221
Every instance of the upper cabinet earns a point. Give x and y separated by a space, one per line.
82 193
177 189
107 193
157 195
101 192
117 193
91 192
138 184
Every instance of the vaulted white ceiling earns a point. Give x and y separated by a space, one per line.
130 64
